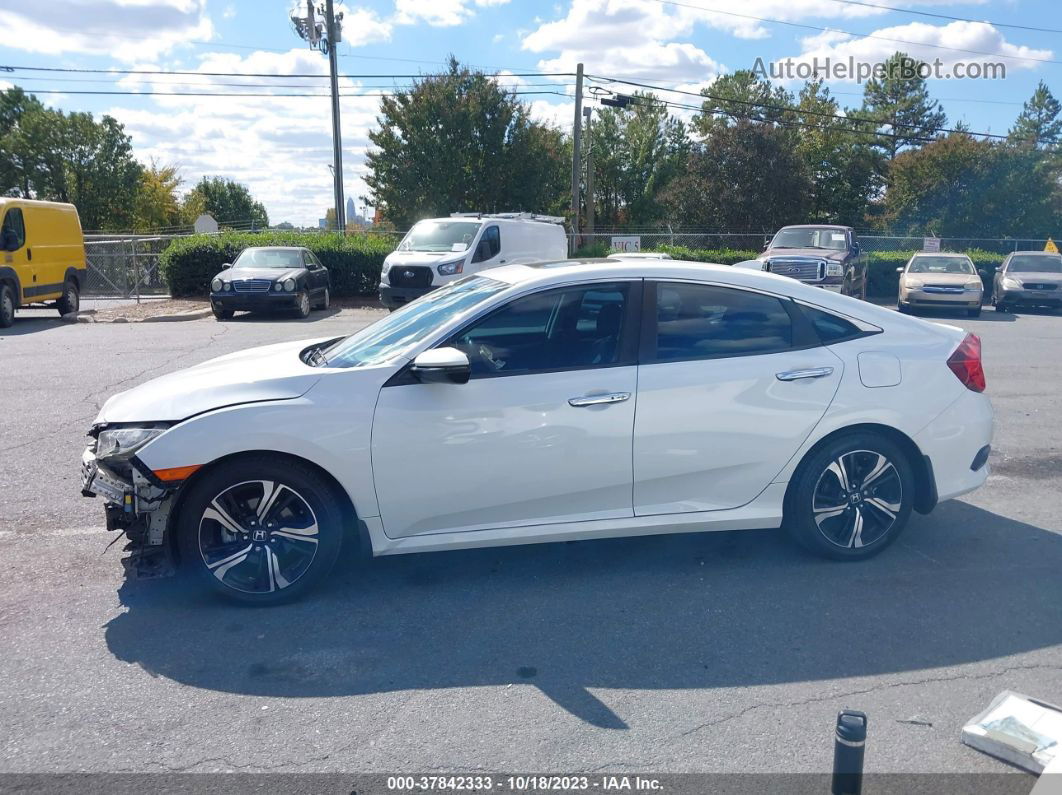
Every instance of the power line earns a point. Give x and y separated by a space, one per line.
241 94
945 16
211 84
852 33
13 68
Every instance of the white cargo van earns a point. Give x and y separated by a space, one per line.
439 250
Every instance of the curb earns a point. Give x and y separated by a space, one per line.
195 314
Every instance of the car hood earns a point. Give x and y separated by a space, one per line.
956 279
398 258
272 372
817 253
273 274
1042 278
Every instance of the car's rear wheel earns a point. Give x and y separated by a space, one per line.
7 306
70 300
326 299
302 304
262 530
851 498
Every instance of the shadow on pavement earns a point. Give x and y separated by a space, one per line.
707 610
286 316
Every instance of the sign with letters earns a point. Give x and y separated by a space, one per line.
931 244
626 243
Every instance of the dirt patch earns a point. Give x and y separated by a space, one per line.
133 313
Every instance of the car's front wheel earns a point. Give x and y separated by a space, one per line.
851 498
261 530
7 306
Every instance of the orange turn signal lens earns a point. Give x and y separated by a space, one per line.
176 473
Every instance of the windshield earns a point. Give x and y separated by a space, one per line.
400 331
269 258
942 265
811 237
1035 263
440 236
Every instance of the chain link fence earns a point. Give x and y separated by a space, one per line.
745 241
124 266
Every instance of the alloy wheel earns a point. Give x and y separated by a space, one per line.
857 499
258 536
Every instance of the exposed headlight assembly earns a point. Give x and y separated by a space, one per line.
834 269
974 285
451 268
1011 284
119 444
289 285
217 285
913 282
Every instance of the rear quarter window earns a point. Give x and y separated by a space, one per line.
831 328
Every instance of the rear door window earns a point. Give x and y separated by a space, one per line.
698 321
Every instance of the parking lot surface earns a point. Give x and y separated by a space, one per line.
715 652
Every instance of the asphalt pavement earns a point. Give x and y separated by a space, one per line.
724 652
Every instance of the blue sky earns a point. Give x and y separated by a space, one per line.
280 146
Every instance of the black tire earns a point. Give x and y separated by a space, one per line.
875 512
903 309
222 314
973 312
302 304
7 306
70 300
280 560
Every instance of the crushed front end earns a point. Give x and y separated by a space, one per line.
136 503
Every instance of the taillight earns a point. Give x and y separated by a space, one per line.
965 362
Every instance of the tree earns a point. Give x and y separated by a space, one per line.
740 95
157 205
46 154
1038 124
456 141
899 102
962 187
636 153
230 203
843 164
743 177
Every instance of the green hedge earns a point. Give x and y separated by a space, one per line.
723 256
353 261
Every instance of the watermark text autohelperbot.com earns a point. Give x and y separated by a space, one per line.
828 68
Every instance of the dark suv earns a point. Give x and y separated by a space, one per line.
820 255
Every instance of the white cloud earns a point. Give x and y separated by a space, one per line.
279 147
622 38
127 29
362 26
952 43
229 12
439 13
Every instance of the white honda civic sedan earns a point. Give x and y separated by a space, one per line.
570 400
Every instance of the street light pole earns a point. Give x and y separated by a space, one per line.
576 143
337 139
589 174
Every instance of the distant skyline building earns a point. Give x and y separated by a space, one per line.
352 212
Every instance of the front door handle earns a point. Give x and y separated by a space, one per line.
29 253
599 400
809 372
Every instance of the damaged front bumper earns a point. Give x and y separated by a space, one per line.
136 506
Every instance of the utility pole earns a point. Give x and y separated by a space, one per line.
310 29
576 143
589 172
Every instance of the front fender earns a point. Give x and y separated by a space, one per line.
331 434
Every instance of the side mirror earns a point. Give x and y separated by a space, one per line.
899 270
442 366
226 265
766 243
856 248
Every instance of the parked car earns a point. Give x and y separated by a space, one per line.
268 278
438 251
1028 278
822 255
42 257
500 409
942 281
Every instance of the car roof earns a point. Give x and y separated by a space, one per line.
1035 253
278 248
939 254
815 226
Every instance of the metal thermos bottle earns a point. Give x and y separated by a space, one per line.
848 745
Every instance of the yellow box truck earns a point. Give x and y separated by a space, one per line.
42 256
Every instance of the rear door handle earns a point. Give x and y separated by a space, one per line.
809 372
599 400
